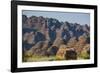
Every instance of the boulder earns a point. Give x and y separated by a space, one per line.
70 54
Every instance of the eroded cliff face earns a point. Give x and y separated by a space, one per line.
50 37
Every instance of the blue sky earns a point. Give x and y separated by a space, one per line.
72 17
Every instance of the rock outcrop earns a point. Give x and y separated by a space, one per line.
50 37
